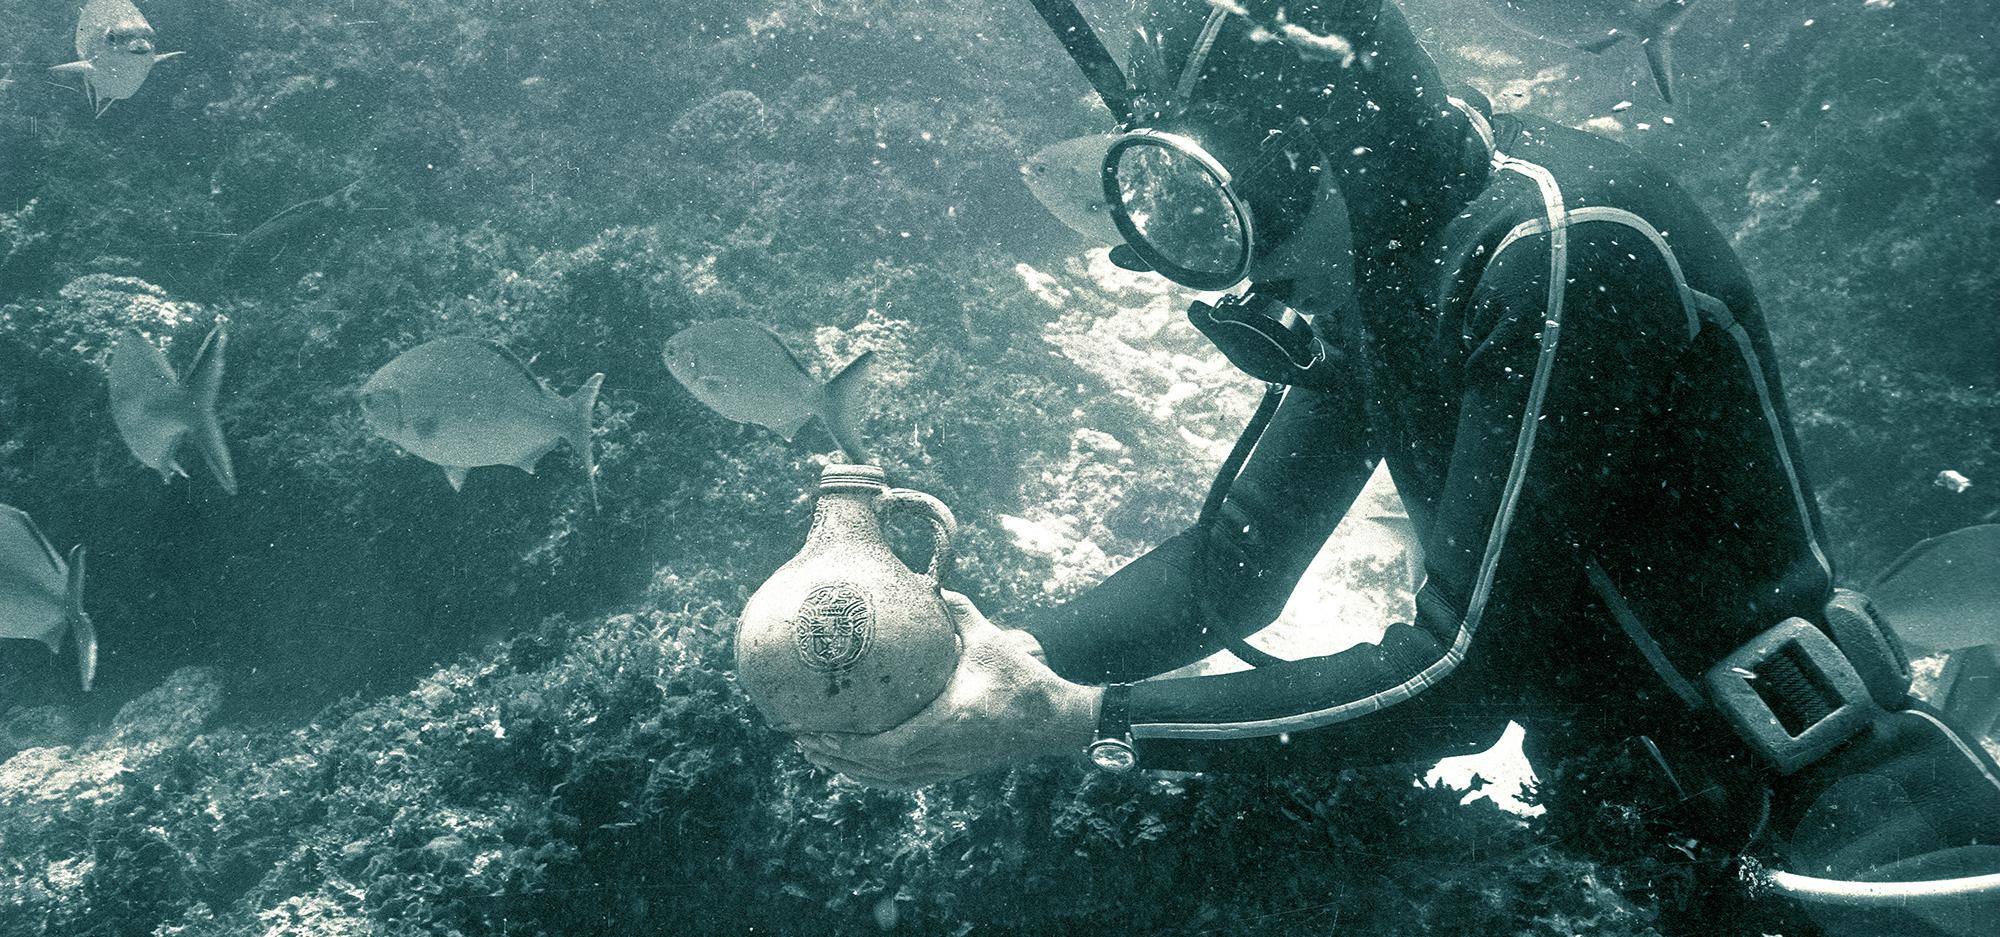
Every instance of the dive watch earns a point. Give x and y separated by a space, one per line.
1112 749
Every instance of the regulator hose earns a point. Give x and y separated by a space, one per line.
1880 894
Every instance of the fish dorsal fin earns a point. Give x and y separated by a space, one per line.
790 428
1597 46
787 349
456 475
11 516
515 360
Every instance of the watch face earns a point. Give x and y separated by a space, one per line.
1113 756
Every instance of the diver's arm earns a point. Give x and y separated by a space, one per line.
1555 401
1150 617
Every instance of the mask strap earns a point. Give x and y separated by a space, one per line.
1191 73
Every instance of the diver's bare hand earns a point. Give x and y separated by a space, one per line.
1003 706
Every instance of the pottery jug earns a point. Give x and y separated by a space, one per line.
845 637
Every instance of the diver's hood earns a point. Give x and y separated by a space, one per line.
1208 177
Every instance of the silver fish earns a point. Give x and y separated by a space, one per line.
1597 25
154 411
114 51
1067 178
283 227
460 402
41 597
1944 593
740 369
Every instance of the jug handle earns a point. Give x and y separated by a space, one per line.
944 527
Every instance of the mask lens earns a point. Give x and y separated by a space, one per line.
1173 207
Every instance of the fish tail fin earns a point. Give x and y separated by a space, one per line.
204 388
840 402
582 404
1660 57
80 627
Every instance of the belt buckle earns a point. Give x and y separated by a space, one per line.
1809 669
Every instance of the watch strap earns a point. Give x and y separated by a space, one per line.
1112 750
1114 713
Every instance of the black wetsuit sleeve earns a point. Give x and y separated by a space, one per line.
1212 583
1555 388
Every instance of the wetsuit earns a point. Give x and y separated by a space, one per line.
1574 391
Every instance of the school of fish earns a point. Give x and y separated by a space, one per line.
462 402
459 402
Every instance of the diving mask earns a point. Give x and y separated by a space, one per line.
1200 212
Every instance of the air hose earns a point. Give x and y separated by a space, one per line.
1880 894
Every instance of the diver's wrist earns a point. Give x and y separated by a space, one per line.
1076 718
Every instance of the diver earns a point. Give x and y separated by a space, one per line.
1567 372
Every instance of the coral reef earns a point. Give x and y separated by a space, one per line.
608 777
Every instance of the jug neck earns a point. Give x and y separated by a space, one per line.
846 503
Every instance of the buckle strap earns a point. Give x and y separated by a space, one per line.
1791 694
1871 646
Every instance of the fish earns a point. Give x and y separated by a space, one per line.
1942 596
287 222
41 596
154 410
743 371
1068 179
114 51
1597 25
460 402
1944 593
